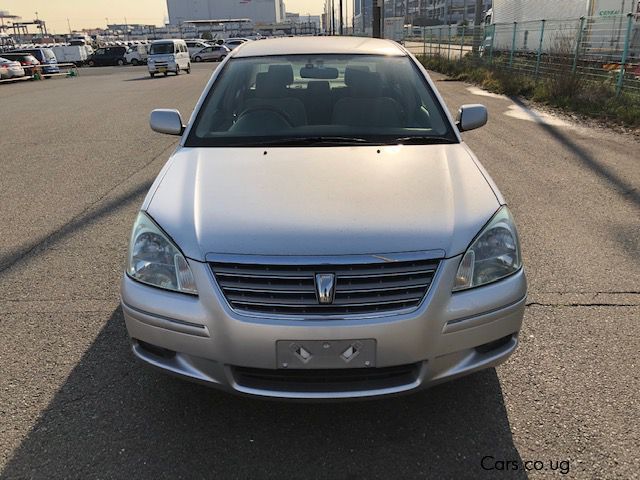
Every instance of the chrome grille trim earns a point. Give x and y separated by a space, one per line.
366 285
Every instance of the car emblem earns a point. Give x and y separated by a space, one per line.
325 287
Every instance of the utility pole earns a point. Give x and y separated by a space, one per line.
341 21
377 19
477 32
69 25
333 20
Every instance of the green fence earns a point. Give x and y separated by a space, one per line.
605 49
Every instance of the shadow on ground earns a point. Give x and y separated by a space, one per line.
113 418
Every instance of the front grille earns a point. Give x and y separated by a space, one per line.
333 380
378 286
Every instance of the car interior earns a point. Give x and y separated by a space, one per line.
270 98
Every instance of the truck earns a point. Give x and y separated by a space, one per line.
76 54
600 25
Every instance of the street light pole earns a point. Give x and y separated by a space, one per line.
341 24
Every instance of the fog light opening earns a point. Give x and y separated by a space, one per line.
155 350
494 345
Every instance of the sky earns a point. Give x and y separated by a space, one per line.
92 14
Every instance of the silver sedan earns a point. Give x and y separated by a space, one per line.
10 69
213 53
323 231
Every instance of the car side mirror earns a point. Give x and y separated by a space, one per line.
471 117
166 121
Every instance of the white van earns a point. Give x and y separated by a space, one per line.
168 56
137 54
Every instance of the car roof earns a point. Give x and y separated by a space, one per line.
319 45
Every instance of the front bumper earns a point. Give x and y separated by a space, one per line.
448 336
161 67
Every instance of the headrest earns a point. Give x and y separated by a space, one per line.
318 88
363 83
284 73
352 71
269 86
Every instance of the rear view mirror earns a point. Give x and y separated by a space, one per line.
166 121
471 117
317 73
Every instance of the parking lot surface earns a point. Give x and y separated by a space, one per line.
77 157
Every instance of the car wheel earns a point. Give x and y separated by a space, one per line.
189 68
135 62
120 62
198 59
91 63
152 74
177 69
222 58
166 74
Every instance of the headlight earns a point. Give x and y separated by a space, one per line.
172 58
155 260
494 254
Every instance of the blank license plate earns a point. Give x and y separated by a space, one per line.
326 353
162 69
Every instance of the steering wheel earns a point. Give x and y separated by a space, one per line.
267 108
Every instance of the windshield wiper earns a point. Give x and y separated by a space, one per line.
424 140
308 141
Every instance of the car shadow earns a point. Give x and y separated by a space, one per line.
112 418
147 77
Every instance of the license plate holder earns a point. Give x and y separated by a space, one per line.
326 354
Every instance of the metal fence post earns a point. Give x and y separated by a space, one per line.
540 48
625 54
431 42
462 43
493 37
575 57
440 42
513 44
424 43
449 43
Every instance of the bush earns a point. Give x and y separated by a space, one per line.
564 89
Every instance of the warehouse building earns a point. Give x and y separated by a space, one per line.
259 11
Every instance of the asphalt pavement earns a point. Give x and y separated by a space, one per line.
76 158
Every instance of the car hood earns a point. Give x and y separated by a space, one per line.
321 201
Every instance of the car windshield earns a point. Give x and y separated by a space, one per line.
161 48
295 100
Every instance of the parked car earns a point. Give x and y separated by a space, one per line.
46 57
137 55
29 63
232 43
168 56
10 68
323 231
108 56
211 54
195 46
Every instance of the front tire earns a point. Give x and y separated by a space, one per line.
120 62
152 75
91 63
135 62
189 69
198 59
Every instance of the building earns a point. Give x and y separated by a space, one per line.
452 11
258 11
435 11
363 17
